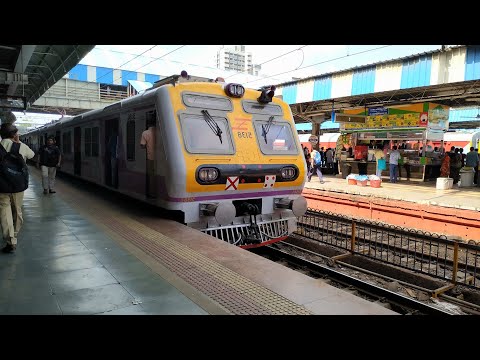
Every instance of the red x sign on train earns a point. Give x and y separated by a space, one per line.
233 180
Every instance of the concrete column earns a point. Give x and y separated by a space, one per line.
316 131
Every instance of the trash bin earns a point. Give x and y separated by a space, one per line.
362 168
466 178
346 170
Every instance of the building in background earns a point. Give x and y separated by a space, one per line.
237 60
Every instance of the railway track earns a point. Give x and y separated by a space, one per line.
410 271
430 254
395 301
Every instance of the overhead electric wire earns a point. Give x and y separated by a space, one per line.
277 57
322 62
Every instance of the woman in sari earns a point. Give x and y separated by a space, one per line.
445 168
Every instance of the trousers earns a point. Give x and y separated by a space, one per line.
11 216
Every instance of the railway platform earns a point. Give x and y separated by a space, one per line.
412 204
85 250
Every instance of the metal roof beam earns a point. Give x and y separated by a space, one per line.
22 62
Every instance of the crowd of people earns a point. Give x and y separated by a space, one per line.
455 159
452 161
318 159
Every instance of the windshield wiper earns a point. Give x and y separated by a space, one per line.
266 128
213 125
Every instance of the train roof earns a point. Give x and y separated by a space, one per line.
183 77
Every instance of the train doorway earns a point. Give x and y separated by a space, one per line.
111 153
57 139
77 151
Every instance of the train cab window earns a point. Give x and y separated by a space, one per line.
275 137
202 137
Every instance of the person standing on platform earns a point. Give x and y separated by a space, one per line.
445 167
394 156
306 153
49 159
472 160
379 155
455 164
148 142
441 150
462 156
316 165
11 216
329 157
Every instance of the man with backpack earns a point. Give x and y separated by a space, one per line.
49 157
11 194
316 165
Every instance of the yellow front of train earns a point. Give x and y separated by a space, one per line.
245 168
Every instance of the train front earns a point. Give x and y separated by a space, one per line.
244 166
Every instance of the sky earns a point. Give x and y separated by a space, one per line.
280 63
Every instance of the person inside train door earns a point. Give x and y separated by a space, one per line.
148 142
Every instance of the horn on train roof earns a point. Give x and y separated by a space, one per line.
267 94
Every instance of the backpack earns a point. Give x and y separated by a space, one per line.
13 170
317 159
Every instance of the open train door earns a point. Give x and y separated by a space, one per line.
77 151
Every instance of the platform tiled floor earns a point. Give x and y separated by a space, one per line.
65 265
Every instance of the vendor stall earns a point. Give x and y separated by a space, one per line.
412 128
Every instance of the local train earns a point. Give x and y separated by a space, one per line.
227 158
461 139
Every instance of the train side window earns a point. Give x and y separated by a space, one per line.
275 138
131 140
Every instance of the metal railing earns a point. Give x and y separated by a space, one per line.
85 93
423 252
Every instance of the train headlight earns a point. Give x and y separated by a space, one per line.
288 172
234 90
208 174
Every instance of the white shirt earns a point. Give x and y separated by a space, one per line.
24 150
